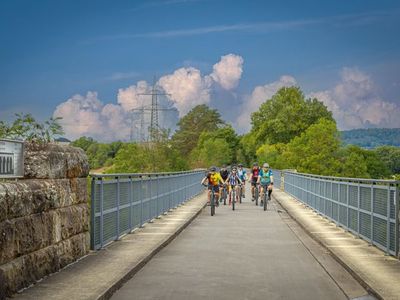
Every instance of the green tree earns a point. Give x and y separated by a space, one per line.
27 128
83 142
247 149
286 115
200 118
390 155
273 155
376 168
315 151
211 151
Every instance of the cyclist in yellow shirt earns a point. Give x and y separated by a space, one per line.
214 180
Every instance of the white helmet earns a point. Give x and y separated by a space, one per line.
265 165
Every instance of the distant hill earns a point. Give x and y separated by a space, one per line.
372 137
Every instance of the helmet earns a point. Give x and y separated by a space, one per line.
240 165
234 169
255 164
223 166
213 169
265 165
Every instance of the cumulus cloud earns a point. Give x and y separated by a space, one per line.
259 95
227 71
355 102
88 116
186 88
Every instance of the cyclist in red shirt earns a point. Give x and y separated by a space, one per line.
255 171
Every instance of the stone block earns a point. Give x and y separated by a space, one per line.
51 161
28 269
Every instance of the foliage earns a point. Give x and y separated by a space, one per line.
315 150
247 149
211 151
391 157
273 155
200 118
372 137
286 115
155 157
25 127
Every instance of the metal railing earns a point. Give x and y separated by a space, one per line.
277 174
366 207
123 202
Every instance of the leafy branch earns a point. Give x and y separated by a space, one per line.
27 128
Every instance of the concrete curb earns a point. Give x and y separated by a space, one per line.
363 283
121 281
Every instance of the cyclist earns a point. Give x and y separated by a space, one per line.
243 177
233 181
213 179
224 174
266 180
254 178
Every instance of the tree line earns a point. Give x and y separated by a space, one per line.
288 131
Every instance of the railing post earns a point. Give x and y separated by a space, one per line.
396 231
372 213
388 221
347 205
118 202
358 209
157 197
93 213
130 202
141 200
101 211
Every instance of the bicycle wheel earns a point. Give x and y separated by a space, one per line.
240 194
265 199
225 195
233 198
212 204
256 195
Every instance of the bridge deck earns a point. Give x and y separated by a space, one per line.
242 254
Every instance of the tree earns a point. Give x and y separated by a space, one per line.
211 151
390 155
200 118
27 128
83 142
286 115
273 155
375 167
315 151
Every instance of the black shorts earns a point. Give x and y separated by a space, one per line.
254 182
215 188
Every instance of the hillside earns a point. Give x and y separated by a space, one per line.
372 137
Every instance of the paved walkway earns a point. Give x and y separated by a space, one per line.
241 254
99 274
378 272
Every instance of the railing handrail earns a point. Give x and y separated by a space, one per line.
99 175
370 180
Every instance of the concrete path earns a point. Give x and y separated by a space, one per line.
242 254
378 272
100 273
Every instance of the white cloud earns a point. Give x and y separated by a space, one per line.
355 102
259 95
228 70
187 88
87 116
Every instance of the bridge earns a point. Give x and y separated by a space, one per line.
152 237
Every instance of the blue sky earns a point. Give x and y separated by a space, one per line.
53 50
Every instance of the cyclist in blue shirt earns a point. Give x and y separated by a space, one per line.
243 177
266 180
233 182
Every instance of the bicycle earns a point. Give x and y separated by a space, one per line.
233 187
240 193
212 199
223 194
256 193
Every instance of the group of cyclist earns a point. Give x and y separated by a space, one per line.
235 179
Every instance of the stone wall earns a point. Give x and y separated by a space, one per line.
44 218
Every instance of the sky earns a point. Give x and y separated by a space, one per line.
89 61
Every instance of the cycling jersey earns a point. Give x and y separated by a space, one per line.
214 178
233 179
265 177
242 174
224 174
255 173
